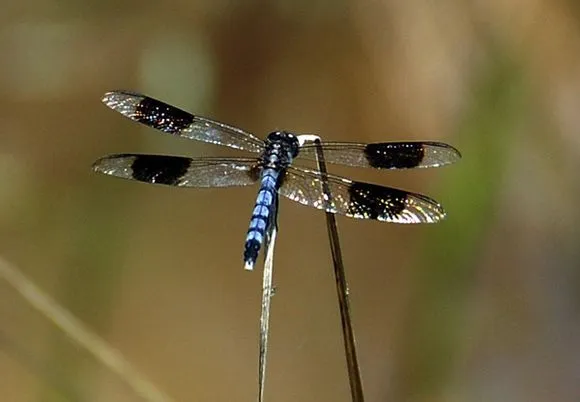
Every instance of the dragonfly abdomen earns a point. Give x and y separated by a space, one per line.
261 217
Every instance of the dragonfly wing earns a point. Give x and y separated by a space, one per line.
358 200
180 171
171 120
384 155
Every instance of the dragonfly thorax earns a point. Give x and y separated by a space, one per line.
281 148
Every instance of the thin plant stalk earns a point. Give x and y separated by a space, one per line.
354 376
267 293
80 334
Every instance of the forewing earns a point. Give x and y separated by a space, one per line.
180 171
385 155
358 200
171 120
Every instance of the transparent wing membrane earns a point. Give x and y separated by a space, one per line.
180 171
385 155
359 200
169 119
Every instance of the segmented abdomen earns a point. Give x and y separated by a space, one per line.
263 211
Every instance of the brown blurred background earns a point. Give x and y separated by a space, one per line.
482 307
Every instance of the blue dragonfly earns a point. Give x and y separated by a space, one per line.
274 169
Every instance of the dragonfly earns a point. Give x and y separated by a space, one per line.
272 167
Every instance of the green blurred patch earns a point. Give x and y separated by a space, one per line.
470 190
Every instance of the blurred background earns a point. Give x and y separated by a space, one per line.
482 307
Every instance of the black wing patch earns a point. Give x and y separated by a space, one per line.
180 171
160 169
171 120
358 200
162 116
385 155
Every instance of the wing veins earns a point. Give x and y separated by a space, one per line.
172 120
357 199
385 155
180 171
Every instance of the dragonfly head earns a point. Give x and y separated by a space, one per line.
286 140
